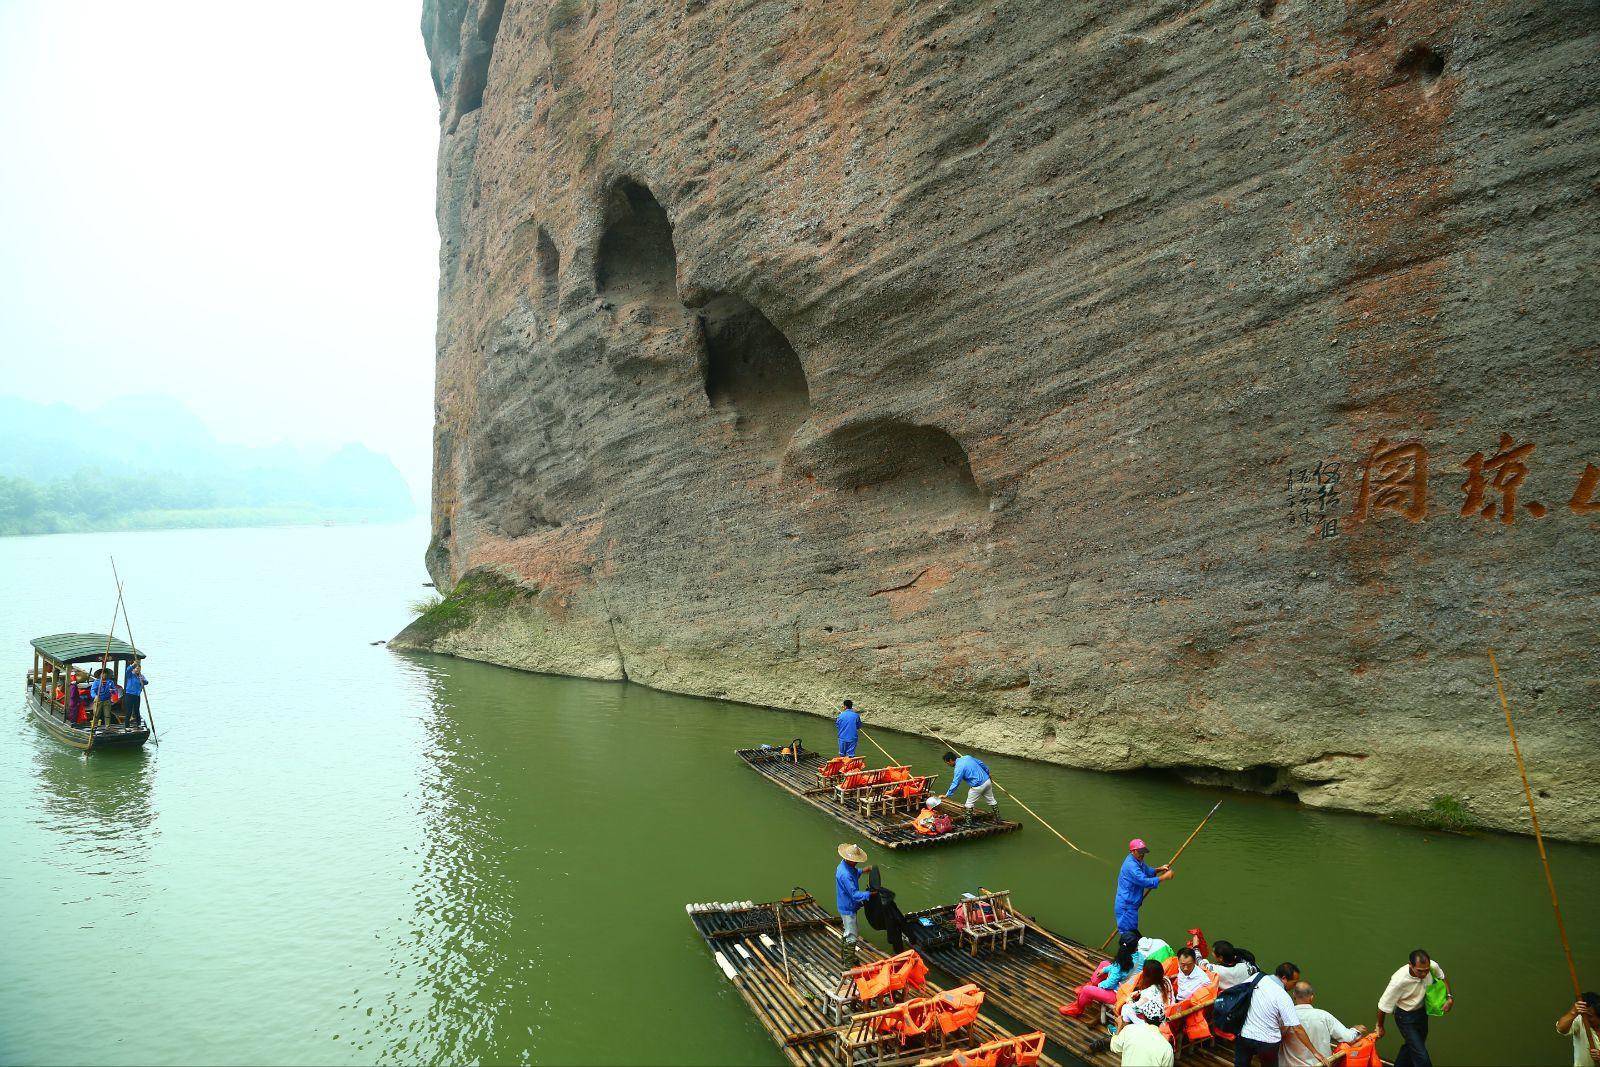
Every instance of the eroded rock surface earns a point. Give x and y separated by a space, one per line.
1095 382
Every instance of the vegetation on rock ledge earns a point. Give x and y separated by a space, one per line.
474 593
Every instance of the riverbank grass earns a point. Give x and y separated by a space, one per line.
1445 813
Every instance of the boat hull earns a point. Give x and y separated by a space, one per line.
104 736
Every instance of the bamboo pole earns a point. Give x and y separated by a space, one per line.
1538 837
94 708
144 698
1107 943
1025 807
892 761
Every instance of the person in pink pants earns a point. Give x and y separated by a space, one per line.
1102 986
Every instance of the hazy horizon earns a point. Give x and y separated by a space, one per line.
232 208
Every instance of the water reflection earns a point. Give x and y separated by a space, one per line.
100 797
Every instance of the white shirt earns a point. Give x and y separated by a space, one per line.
1141 1045
1580 1043
1191 983
1271 1012
1231 976
1323 1030
1405 993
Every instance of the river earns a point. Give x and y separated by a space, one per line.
340 854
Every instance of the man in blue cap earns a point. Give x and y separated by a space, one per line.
1136 879
848 727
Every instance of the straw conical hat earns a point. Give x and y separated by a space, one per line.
852 853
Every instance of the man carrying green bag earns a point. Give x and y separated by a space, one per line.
1416 991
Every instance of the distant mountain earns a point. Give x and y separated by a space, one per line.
149 461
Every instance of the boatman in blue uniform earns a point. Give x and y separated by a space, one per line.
1137 879
132 686
850 897
848 727
972 771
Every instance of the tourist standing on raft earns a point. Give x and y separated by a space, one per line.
850 896
1135 879
1405 996
848 727
974 772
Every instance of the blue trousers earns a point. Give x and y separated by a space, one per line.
847 748
1413 1027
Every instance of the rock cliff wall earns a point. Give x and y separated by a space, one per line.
1196 385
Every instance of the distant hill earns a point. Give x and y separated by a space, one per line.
149 462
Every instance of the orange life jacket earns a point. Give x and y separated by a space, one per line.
878 777
840 765
923 823
1022 1051
959 1007
874 980
911 1019
1363 1053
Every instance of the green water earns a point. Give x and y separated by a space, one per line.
340 854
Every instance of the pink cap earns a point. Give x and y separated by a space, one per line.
1136 844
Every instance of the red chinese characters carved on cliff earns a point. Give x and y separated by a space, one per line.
1508 472
1394 478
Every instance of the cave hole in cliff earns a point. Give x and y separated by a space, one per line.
901 464
752 368
636 260
547 258
1420 62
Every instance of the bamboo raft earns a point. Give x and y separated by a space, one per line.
799 775
1030 976
783 958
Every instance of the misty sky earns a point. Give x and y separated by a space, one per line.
227 202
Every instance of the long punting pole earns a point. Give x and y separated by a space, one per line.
1025 807
94 709
144 702
892 761
1527 791
1107 943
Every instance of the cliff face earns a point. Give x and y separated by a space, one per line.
1190 385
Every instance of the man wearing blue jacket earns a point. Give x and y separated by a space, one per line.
850 897
971 770
1136 879
848 727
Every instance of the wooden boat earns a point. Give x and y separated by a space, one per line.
57 660
883 821
1029 973
783 958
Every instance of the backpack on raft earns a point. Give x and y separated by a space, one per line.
1232 1006
943 824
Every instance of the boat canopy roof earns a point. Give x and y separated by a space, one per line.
71 648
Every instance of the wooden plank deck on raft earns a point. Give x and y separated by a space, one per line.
800 778
1030 980
789 981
